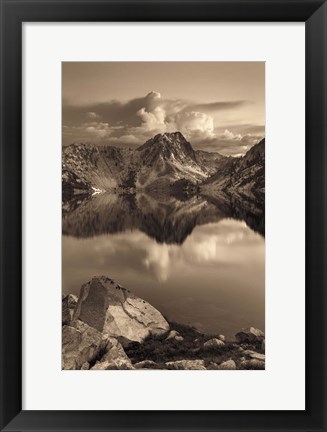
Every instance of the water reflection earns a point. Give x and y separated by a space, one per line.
164 218
198 261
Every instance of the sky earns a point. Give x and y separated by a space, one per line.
218 106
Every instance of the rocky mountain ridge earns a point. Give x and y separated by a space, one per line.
245 175
161 162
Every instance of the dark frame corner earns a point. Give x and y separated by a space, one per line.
13 14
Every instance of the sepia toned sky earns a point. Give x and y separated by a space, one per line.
218 106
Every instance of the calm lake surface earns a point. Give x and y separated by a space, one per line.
193 261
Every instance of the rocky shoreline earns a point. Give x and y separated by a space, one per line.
108 327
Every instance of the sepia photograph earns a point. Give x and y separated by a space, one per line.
163 216
134 199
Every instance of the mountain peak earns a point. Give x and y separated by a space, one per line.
170 151
170 136
167 139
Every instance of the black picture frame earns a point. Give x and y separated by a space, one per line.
16 12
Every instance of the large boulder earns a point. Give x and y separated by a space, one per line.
146 364
213 343
227 365
254 355
114 358
80 344
250 334
114 311
252 364
186 365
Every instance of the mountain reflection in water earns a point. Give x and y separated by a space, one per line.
198 261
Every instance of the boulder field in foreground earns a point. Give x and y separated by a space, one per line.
114 311
250 334
108 327
81 344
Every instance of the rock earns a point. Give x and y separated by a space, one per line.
212 366
107 365
114 357
68 303
80 344
213 343
85 366
146 364
228 365
236 347
124 341
252 364
186 365
250 334
254 355
67 316
174 335
115 311
198 343
222 338
263 345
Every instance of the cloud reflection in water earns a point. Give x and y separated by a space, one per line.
214 280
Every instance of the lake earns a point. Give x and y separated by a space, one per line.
200 261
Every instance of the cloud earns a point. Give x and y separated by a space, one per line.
228 135
100 130
230 144
153 96
218 106
153 120
92 115
194 123
90 132
253 129
131 140
133 122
